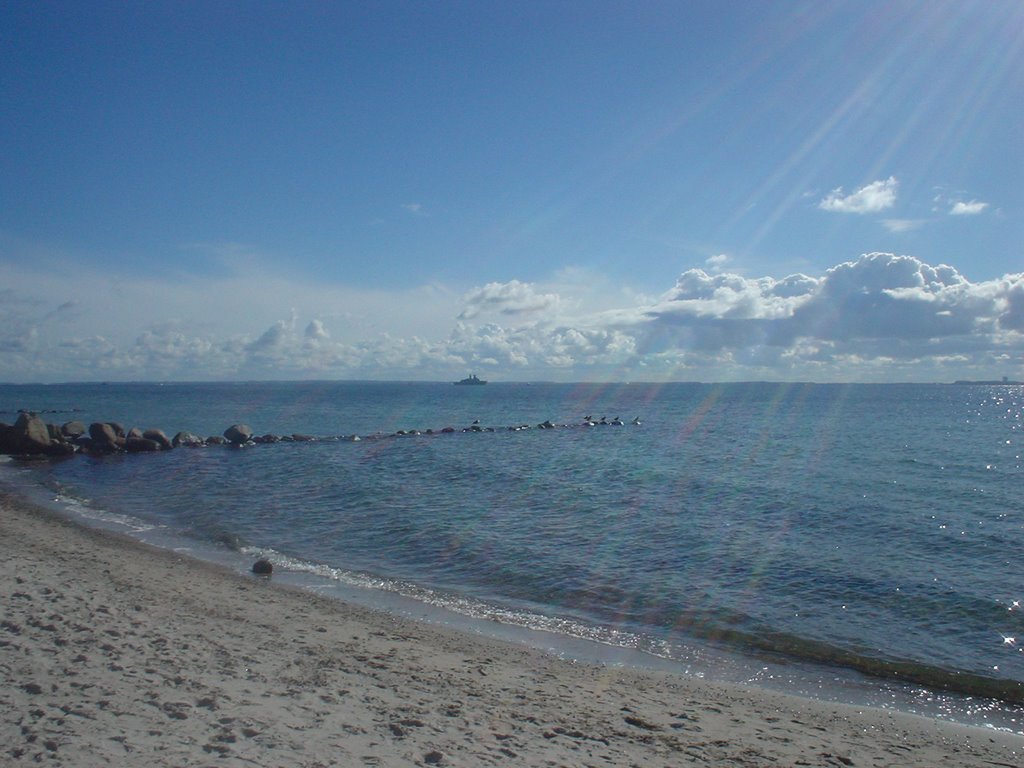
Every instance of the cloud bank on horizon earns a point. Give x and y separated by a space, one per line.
879 317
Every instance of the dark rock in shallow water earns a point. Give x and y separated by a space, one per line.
134 432
61 448
216 440
8 440
34 431
262 567
238 434
141 445
268 438
28 435
102 434
73 429
158 436
188 440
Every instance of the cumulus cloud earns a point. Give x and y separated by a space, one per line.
871 198
717 263
315 331
877 317
973 208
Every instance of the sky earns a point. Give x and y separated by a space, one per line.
558 191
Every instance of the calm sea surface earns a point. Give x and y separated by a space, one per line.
875 532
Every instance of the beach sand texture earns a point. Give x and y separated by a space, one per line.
116 653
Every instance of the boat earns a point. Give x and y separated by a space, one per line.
472 380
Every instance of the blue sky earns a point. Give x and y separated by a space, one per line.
571 191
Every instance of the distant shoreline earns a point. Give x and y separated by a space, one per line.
507 382
989 382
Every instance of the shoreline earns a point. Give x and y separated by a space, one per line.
116 652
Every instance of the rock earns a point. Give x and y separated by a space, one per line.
215 440
262 567
158 436
141 445
268 438
433 757
8 440
73 429
134 432
31 434
61 448
34 431
238 434
188 440
103 435
118 429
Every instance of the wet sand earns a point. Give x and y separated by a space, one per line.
116 653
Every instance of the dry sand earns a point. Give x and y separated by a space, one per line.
115 653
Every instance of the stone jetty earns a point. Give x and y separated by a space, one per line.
31 435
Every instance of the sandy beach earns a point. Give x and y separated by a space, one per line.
115 653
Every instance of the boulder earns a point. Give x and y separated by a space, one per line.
238 434
8 439
158 436
31 433
73 429
262 567
215 440
134 432
140 445
61 448
104 436
118 429
188 440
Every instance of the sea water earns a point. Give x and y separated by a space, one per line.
866 539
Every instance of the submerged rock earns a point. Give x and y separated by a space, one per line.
262 567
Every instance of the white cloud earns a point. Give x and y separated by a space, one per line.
717 263
876 317
876 196
315 331
903 225
973 208
511 298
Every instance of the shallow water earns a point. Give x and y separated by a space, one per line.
873 528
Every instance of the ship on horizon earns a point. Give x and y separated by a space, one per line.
470 381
